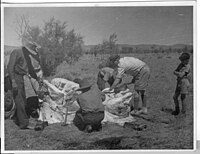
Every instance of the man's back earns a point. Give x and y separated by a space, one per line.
129 65
91 101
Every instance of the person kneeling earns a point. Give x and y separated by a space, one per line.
88 118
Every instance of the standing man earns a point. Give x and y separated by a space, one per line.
140 73
22 63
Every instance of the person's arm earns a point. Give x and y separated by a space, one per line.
74 96
184 72
116 82
118 79
11 66
187 70
177 71
178 74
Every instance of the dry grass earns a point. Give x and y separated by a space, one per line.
164 131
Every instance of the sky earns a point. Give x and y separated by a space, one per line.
164 25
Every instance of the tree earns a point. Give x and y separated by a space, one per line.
57 43
73 44
22 28
112 43
108 46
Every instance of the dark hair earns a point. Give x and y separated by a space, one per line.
184 56
113 58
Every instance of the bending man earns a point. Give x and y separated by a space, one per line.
140 73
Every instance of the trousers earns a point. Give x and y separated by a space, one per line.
20 116
94 119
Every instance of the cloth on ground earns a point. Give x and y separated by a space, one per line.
54 105
64 84
116 105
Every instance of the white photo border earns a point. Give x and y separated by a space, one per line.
96 4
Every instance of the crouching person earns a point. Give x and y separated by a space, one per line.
88 118
105 78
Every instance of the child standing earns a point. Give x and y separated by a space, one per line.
182 72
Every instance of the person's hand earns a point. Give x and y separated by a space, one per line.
111 89
14 88
40 81
117 90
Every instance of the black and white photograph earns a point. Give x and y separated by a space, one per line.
98 76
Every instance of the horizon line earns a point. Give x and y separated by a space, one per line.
191 44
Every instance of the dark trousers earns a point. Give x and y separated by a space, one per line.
20 117
100 82
94 119
32 106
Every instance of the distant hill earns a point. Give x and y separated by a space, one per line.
147 47
180 46
133 48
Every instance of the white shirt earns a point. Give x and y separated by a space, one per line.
130 66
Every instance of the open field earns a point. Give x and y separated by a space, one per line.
164 131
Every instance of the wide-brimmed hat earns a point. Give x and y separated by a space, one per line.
31 45
84 83
184 56
113 58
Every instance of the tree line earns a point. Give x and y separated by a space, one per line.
58 43
100 49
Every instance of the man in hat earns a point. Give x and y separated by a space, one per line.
23 63
140 73
88 118
182 72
